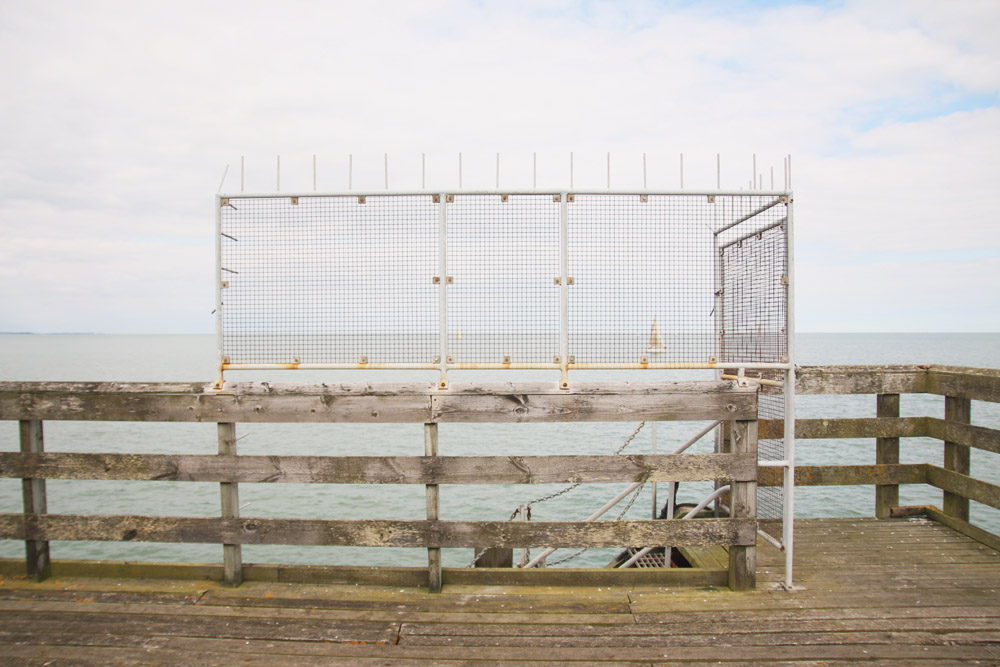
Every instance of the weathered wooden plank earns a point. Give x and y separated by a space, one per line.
956 457
433 510
379 469
806 429
886 453
232 554
377 532
714 401
33 492
368 403
900 473
981 384
966 528
885 379
743 505
987 439
963 486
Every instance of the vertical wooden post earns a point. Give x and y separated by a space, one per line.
956 456
886 451
743 559
232 554
36 551
433 511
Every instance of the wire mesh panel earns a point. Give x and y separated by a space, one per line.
644 273
503 253
754 270
329 279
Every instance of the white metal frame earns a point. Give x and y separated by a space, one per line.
564 365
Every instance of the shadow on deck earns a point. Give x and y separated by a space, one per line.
905 590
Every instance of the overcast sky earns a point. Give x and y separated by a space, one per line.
118 120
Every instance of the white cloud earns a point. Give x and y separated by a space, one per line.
121 117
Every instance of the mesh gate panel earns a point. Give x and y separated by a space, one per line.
503 256
329 279
633 261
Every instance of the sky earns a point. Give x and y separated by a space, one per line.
119 121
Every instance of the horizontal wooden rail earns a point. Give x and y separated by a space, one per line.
977 437
846 475
374 403
377 532
958 381
380 469
963 485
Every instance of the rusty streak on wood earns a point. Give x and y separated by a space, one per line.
379 469
372 403
377 532
901 473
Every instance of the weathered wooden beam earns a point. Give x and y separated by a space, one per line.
886 453
373 403
886 379
35 503
866 427
980 437
232 554
964 527
377 532
900 473
433 510
981 384
743 506
956 456
966 488
379 469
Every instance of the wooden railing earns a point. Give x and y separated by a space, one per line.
31 403
958 385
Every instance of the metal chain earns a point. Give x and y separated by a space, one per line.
619 518
569 488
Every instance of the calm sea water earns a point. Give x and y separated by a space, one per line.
192 358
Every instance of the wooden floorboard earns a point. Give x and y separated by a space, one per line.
899 591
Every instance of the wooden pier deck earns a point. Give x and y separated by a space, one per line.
899 591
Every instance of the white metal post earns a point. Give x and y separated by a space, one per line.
564 289
218 287
443 293
788 523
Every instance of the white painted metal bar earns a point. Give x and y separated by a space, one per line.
314 172
218 287
443 297
534 171
423 171
498 171
749 235
512 365
773 464
223 181
385 170
702 505
753 174
644 185
609 170
459 171
242 170
277 186
520 191
350 171
571 170
564 289
682 171
628 490
754 213
652 450
788 527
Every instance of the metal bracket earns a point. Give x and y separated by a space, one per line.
571 198
572 358
295 201
296 360
783 199
450 280
557 198
506 359
711 199
503 198
225 284
712 359
225 360
643 359
364 359
224 202
784 280
362 199
644 199
555 360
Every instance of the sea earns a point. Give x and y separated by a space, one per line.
192 358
